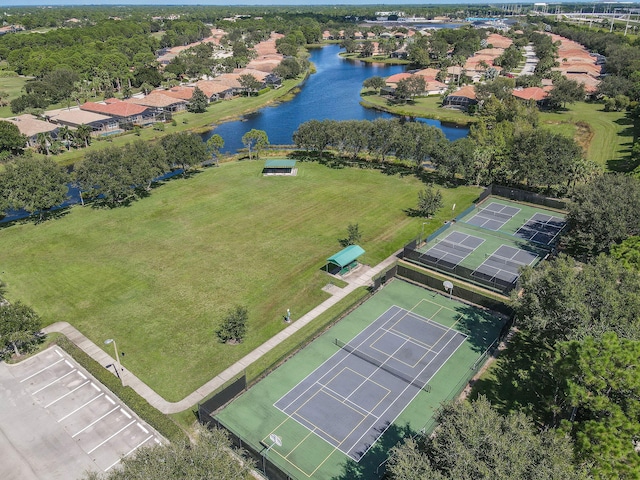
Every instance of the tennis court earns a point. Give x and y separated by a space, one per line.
336 408
528 222
489 258
542 228
351 398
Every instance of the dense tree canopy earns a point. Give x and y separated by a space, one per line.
12 142
474 441
209 458
563 300
33 184
603 212
18 326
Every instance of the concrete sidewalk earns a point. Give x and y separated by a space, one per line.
100 356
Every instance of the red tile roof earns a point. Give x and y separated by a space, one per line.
531 93
498 41
115 109
397 77
468 91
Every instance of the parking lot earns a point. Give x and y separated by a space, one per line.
58 421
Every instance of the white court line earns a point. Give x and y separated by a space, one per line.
106 440
55 381
407 403
42 370
68 393
129 453
80 407
94 422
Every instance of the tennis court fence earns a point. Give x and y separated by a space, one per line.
459 271
383 366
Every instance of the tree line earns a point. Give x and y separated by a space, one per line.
504 148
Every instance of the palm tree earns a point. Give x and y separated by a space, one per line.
66 135
44 142
83 134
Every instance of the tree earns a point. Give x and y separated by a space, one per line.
565 91
18 326
628 252
562 300
214 145
366 49
374 83
249 83
474 441
210 457
198 102
104 176
315 135
288 68
234 325
255 140
354 235
83 135
500 88
34 184
599 217
184 149
410 87
66 135
429 202
602 387
12 142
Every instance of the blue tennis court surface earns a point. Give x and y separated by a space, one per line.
503 266
453 249
541 228
493 216
351 399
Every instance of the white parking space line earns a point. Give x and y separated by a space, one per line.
58 352
142 428
80 407
109 398
106 440
82 375
96 387
94 422
42 370
55 381
68 393
69 363
125 412
129 453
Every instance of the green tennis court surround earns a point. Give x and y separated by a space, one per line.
313 447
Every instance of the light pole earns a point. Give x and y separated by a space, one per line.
117 364
422 231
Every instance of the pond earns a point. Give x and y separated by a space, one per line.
333 92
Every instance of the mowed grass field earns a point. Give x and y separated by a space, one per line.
13 86
159 275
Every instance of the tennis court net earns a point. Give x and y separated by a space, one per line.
381 365
455 246
502 216
505 261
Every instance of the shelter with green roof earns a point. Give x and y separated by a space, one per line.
280 167
345 260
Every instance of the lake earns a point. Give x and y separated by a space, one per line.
333 92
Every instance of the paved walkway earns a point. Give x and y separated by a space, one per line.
129 379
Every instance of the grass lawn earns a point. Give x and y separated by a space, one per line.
607 137
159 275
13 86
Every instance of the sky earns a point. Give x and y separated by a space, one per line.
388 4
